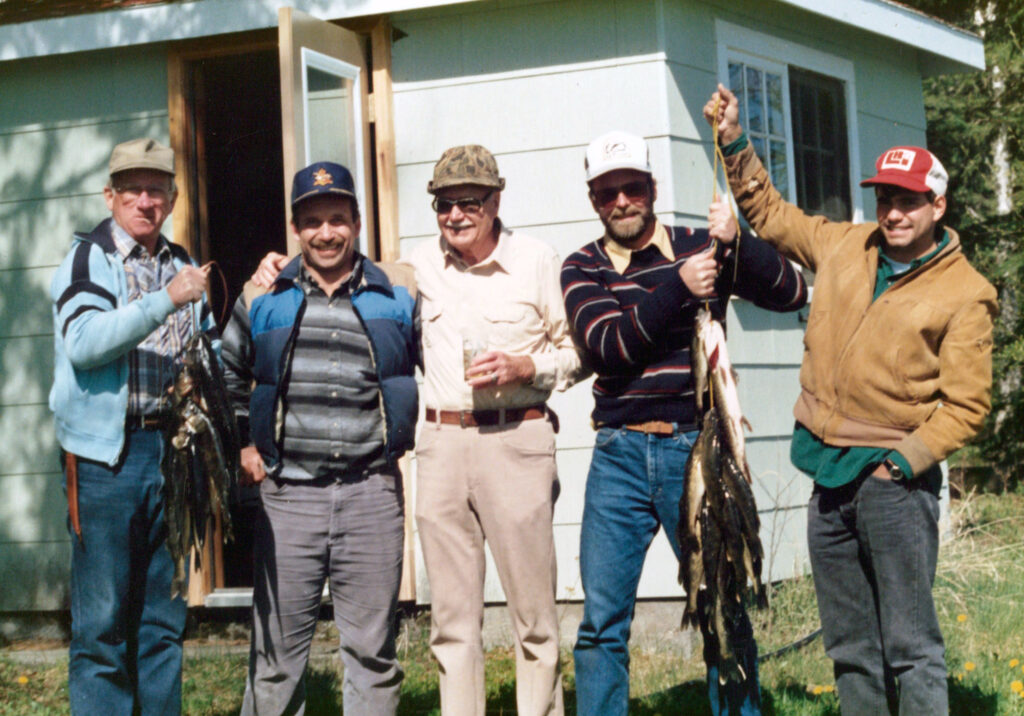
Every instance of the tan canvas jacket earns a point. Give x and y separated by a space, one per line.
910 371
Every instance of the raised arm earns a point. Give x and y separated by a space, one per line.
805 239
614 339
764 276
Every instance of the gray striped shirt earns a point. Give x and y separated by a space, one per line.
333 423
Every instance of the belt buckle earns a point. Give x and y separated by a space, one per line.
462 419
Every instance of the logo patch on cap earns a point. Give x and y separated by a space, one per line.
900 159
613 148
322 177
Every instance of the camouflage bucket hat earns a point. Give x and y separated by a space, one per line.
468 164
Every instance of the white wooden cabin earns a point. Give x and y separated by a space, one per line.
834 81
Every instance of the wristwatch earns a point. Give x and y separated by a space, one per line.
895 471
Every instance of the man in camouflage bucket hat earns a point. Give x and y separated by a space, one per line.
469 164
495 344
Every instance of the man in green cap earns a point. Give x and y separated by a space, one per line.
126 301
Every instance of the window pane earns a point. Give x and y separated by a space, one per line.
329 113
776 118
780 176
737 86
755 101
818 114
758 143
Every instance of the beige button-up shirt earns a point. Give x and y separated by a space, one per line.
511 302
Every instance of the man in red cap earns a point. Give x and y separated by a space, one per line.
896 376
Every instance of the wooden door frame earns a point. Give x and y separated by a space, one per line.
179 55
189 213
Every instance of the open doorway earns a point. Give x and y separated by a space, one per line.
246 110
236 187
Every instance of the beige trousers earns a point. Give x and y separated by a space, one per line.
497 484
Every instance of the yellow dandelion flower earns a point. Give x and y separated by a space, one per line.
22 680
1016 687
968 666
830 689
1013 663
959 676
961 618
817 690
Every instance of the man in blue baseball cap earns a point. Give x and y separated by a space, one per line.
320 370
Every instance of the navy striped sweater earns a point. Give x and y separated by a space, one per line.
634 329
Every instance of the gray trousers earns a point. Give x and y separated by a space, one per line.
350 533
874 545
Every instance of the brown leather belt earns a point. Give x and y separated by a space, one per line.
71 481
653 427
144 422
479 418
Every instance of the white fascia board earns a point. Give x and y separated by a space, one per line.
946 48
178 21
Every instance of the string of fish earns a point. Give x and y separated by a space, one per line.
719 528
201 452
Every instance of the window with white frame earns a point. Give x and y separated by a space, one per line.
796 107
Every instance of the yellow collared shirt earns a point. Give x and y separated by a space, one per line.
621 256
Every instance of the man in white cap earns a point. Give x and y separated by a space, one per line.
126 301
896 376
631 297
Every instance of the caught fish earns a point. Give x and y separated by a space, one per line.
720 379
201 456
719 528
703 457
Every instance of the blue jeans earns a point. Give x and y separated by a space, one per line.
634 485
126 631
874 545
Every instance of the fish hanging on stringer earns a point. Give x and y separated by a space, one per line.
719 528
201 455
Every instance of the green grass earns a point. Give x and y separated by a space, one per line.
979 592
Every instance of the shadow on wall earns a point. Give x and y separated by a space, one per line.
51 176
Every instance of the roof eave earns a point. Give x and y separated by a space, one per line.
943 48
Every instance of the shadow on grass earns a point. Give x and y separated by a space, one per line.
964 699
323 694
690 699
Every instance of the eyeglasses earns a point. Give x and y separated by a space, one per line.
467 204
634 191
132 192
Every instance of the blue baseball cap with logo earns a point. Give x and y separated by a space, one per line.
322 178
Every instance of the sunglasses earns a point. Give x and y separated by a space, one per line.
467 205
634 191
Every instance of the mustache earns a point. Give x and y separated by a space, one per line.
326 244
625 213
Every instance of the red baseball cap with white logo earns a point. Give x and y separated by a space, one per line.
912 168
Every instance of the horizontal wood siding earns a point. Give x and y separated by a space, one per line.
63 117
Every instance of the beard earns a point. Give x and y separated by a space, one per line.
625 226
